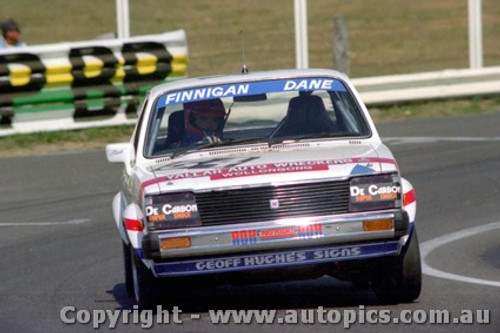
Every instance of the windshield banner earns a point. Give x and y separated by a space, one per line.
249 88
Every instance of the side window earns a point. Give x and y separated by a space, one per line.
137 131
349 117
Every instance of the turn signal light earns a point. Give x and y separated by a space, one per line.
175 243
377 225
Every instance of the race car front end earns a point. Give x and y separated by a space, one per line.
274 226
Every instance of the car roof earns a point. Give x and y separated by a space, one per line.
244 77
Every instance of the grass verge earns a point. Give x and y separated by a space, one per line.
50 142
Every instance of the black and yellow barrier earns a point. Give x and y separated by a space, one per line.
84 84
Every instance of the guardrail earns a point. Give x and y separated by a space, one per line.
452 83
84 84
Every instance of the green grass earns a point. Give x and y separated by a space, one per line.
386 37
43 142
433 109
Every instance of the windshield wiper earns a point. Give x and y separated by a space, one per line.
324 135
230 142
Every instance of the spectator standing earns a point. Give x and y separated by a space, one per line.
11 35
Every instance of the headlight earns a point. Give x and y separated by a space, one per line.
375 193
173 210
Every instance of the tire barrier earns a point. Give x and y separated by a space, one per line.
85 84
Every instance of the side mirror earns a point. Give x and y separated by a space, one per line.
120 153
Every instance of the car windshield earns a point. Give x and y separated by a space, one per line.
262 112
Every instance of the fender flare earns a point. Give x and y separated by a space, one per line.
409 202
409 199
130 237
133 212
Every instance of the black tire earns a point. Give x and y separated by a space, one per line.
399 280
127 260
143 283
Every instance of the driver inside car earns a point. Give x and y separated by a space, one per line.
203 121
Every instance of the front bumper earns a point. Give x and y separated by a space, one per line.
275 260
276 244
274 235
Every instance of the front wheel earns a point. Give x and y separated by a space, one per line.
399 279
127 259
143 282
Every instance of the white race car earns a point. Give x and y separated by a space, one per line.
266 175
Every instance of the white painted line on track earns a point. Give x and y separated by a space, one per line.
42 224
427 247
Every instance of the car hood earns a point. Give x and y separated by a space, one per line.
288 163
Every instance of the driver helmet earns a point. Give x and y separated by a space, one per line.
207 112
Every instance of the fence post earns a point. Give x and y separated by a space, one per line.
475 34
341 45
122 19
301 42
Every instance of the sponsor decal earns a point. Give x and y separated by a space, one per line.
375 192
206 93
310 84
174 210
361 169
251 88
277 259
222 162
265 169
245 237
179 210
279 233
310 231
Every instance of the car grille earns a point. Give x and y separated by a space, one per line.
254 204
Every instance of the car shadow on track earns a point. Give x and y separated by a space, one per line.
325 291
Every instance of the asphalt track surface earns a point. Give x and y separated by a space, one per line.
59 246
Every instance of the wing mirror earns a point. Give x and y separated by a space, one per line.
121 153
